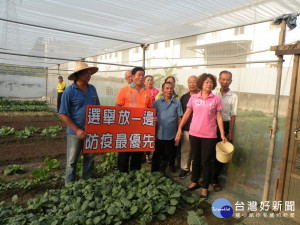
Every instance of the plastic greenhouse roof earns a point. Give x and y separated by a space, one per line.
43 33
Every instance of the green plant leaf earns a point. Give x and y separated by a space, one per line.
97 219
52 163
175 194
174 201
41 174
15 199
190 200
171 210
14 169
133 210
112 211
108 220
161 216
22 134
194 219
200 212
6 131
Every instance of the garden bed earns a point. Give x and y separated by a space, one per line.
35 148
31 152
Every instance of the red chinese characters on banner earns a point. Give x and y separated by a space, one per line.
119 129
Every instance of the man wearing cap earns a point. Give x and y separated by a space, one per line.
72 111
61 86
133 95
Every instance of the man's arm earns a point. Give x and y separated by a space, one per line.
221 126
232 117
64 85
232 122
183 121
178 121
79 133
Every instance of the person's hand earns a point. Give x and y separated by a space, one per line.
178 136
223 138
80 134
229 136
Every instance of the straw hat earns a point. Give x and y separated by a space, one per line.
80 66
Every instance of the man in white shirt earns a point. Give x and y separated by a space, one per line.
229 101
128 76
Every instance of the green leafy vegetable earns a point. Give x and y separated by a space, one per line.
51 131
79 166
15 199
32 130
18 105
6 131
22 134
107 163
41 174
195 219
52 163
14 169
112 199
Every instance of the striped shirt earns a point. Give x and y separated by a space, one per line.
229 102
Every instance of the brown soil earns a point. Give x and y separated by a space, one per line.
36 147
31 153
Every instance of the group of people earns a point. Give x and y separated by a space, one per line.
203 117
190 121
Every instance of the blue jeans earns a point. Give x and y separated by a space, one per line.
74 148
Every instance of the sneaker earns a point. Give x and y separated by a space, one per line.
183 174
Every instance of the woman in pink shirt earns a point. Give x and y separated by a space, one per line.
206 108
149 84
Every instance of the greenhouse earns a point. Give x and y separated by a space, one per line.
256 40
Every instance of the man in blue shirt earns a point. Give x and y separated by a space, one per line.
72 111
168 112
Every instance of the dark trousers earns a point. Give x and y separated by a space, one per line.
164 153
58 100
217 166
135 159
202 150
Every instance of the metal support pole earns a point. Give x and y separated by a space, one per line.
47 85
275 116
144 46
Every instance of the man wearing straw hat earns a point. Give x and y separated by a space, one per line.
72 111
229 101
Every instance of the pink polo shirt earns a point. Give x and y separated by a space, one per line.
204 115
154 92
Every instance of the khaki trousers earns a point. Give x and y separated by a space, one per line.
185 163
